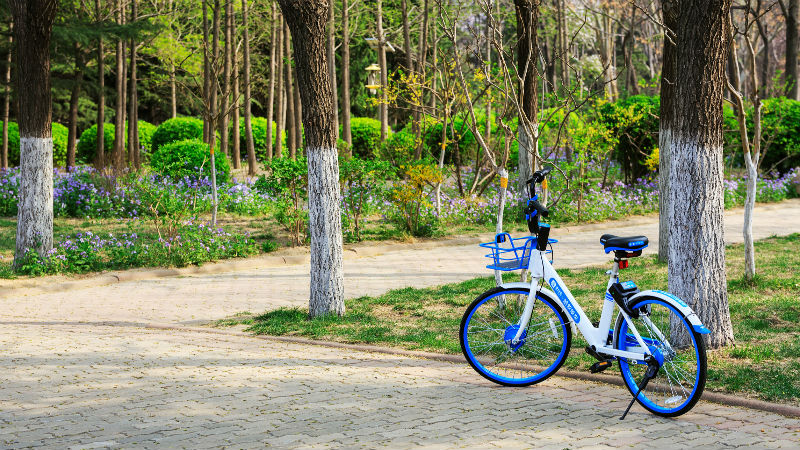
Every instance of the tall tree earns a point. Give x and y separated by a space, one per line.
119 114
33 20
527 43
383 108
696 270
332 63
72 133
7 97
279 124
307 20
272 65
248 115
291 129
133 97
791 14
226 76
346 132
236 131
100 157
668 76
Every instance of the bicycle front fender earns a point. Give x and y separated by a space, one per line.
678 304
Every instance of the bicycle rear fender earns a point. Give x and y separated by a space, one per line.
677 303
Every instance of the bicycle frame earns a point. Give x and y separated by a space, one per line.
540 269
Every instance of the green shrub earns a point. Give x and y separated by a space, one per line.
360 179
174 130
400 147
259 125
189 157
634 120
60 138
781 124
146 131
287 182
87 145
366 135
60 134
13 144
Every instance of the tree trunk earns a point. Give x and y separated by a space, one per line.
421 68
72 135
248 126
696 270
279 125
214 75
272 65
7 97
133 101
409 62
307 19
226 76
100 157
383 108
119 114
173 92
298 111
237 153
751 153
206 72
332 65
527 27
668 78
792 42
346 133
291 128
563 44
33 21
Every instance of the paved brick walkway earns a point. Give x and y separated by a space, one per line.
78 370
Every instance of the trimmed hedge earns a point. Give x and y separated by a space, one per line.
174 130
60 135
186 158
366 133
87 146
259 125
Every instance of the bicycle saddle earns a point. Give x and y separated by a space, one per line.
628 243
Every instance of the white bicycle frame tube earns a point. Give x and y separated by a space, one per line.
540 269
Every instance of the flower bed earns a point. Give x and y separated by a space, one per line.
193 243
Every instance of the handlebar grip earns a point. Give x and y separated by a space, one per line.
535 205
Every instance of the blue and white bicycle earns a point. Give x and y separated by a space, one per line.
518 334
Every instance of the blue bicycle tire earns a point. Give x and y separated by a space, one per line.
680 381
484 329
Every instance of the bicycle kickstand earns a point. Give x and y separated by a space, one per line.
652 370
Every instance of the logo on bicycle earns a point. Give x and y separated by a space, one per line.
567 304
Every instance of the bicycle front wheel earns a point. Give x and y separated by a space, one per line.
679 382
490 325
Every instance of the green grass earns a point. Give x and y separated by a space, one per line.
765 362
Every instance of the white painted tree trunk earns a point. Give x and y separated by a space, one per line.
325 226
696 271
747 229
35 216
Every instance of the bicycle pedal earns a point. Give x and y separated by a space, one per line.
601 365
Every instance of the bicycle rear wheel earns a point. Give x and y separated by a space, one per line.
491 322
679 382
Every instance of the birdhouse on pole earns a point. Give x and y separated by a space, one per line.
372 78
